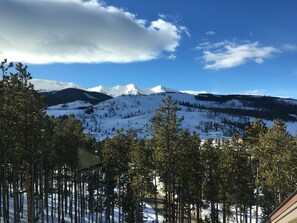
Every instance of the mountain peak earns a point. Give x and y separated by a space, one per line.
43 85
130 89
162 89
117 90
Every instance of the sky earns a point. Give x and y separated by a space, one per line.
217 46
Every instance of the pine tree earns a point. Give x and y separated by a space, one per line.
23 110
3 153
141 178
165 134
189 175
276 159
242 177
251 141
212 176
227 184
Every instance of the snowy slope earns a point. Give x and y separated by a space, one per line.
135 111
194 92
50 85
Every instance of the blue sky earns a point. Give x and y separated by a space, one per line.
231 46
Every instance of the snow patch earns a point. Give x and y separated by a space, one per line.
50 85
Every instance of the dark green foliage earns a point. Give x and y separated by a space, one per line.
277 158
166 129
266 107
73 94
36 150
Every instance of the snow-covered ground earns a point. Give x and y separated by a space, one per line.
135 111
148 213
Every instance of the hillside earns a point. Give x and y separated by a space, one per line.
209 115
42 85
73 94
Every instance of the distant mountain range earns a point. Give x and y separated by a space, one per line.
115 91
130 89
102 110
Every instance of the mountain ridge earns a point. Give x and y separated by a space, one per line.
43 85
69 95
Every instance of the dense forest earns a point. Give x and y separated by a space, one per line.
51 171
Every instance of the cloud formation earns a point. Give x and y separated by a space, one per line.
67 31
290 47
227 54
210 33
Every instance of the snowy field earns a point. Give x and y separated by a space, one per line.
149 214
134 112
87 217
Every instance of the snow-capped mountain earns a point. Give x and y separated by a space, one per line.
161 89
130 89
42 85
118 90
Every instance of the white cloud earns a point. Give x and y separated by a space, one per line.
210 33
290 47
227 54
171 57
208 45
185 30
254 92
67 31
259 60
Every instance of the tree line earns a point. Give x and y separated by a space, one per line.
43 177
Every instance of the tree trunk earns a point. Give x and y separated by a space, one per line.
15 196
75 197
29 196
59 194
156 199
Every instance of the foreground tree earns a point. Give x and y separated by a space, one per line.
211 157
21 121
277 157
251 140
189 176
165 135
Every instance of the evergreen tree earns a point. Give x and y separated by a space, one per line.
21 121
165 135
242 177
141 178
251 141
3 149
227 184
211 156
278 178
189 175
